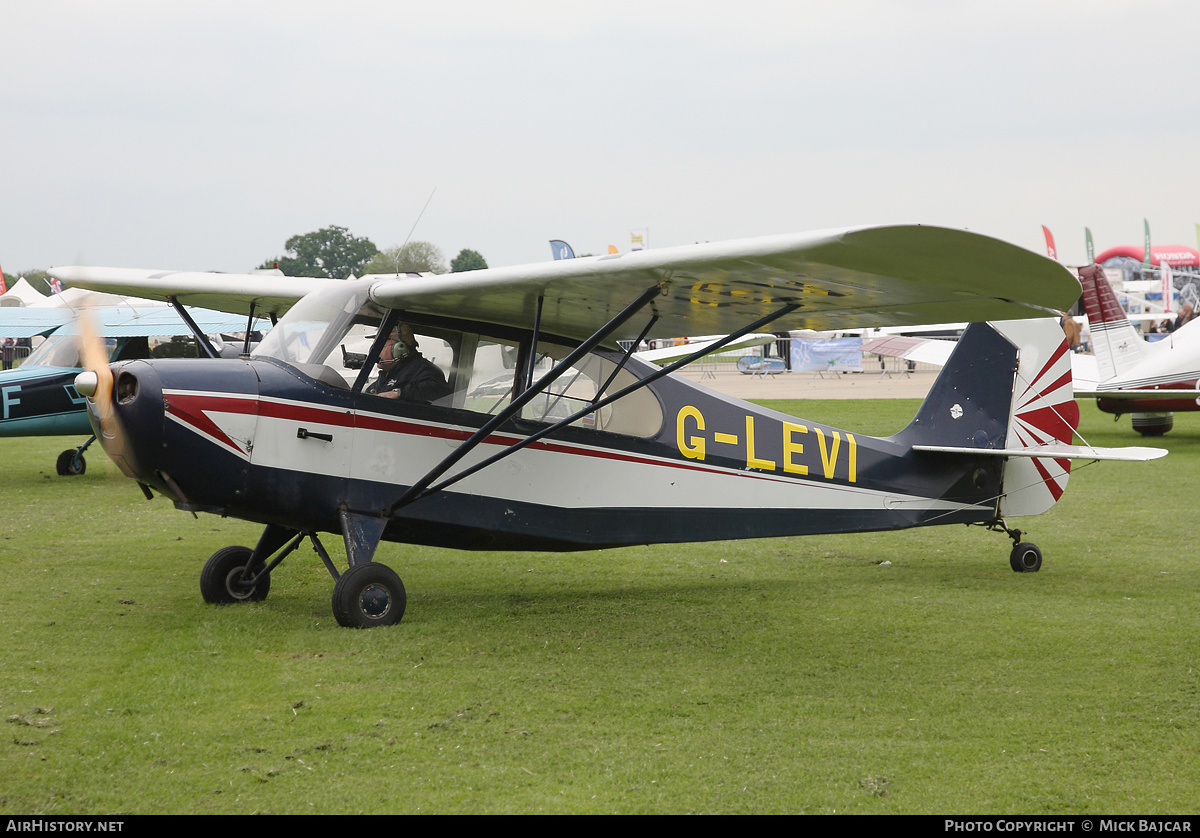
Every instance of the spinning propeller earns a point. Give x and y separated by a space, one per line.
96 383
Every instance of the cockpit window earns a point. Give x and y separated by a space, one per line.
330 334
317 325
638 413
63 351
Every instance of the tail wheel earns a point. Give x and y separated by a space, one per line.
68 463
1026 558
369 595
221 580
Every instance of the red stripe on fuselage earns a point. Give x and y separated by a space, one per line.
199 404
193 409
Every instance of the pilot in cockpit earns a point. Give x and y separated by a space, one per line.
404 374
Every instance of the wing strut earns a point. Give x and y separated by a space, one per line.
519 401
416 493
531 359
201 338
390 321
624 359
249 330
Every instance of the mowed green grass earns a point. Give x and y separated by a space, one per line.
907 672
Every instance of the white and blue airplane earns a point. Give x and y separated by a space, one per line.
542 433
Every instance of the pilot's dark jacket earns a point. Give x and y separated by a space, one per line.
415 379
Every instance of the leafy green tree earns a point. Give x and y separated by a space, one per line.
38 278
328 252
414 257
467 260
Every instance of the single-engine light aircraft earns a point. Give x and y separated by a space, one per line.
1126 374
39 398
1150 381
506 416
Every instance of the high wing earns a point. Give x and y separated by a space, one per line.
28 322
845 279
849 278
165 321
125 320
233 293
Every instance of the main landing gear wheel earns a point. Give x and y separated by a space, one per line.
221 579
368 595
69 464
1026 558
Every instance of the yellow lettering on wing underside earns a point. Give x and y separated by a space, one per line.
718 294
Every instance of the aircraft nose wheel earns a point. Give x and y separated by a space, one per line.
222 579
70 462
368 595
1026 557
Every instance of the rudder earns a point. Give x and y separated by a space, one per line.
1007 386
1115 342
1043 412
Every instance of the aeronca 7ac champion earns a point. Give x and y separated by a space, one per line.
506 415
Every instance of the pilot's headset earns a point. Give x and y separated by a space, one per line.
401 351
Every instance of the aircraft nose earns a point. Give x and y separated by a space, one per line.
133 435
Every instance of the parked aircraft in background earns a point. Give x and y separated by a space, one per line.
1126 374
1149 381
540 433
665 354
38 398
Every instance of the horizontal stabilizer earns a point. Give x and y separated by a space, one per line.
1137 394
1055 451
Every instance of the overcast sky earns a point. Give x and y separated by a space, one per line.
202 136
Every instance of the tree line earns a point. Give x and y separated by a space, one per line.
333 252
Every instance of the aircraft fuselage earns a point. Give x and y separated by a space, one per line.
41 401
279 447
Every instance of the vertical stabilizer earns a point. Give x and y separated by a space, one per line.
1007 386
1115 342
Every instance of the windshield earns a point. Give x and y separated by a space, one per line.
62 351
316 326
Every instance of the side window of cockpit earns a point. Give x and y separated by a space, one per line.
637 414
487 373
416 366
174 346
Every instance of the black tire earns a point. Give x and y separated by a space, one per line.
1026 558
66 465
219 580
1152 424
369 595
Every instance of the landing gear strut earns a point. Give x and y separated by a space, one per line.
1025 557
229 576
71 461
369 594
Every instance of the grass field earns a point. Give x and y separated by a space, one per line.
783 675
